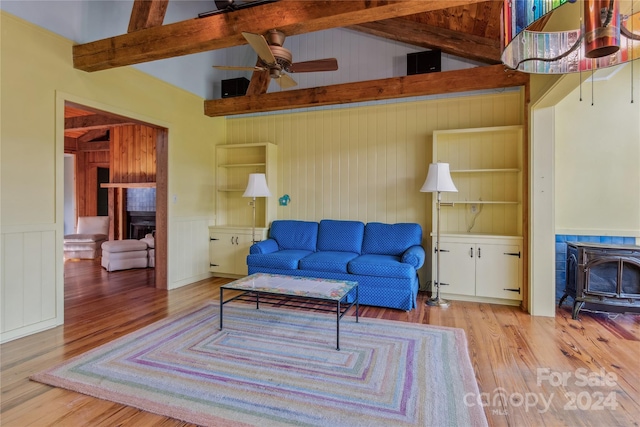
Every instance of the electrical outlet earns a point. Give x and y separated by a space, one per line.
474 208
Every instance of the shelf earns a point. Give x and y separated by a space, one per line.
234 163
513 170
128 185
481 202
242 165
244 146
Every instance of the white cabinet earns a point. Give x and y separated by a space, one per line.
228 249
480 268
482 225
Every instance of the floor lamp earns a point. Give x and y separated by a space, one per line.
438 180
257 187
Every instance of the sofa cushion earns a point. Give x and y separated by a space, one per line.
93 225
343 236
84 238
381 266
390 239
264 247
149 240
292 234
127 245
286 259
327 261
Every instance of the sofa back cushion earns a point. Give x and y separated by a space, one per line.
390 239
292 234
342 236
93 225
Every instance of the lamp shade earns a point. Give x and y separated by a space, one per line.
438 179
257 186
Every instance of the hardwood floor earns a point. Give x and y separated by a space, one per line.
532 371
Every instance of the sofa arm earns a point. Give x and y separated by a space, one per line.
264 247
414 256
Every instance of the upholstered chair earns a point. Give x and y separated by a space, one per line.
150 240
91 232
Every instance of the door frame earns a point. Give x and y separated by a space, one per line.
162 167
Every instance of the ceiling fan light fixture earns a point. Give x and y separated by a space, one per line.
278 60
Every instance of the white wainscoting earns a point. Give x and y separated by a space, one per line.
30 281
188 250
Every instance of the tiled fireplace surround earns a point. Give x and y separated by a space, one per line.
561 253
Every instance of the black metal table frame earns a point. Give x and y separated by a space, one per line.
337 306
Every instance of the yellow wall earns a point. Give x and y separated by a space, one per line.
366 163
598 158
35 65
37 75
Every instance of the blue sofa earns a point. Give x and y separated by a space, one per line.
382 258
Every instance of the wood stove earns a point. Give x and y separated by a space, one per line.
603 277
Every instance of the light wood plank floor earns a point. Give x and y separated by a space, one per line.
532 371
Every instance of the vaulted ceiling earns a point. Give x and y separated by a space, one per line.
464 28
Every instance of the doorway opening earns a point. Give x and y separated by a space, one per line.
114 154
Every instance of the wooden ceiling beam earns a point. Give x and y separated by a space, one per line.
147 14
94 121
94 134
224 30
94 146
471 79
431 37
70 144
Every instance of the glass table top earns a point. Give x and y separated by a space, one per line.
293 285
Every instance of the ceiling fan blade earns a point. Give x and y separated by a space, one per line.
233 68
259 44
285 81
327 64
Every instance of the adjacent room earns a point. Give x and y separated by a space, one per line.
277 212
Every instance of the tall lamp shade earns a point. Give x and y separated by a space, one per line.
257 187
438 180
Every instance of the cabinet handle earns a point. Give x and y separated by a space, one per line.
236 240
512 254
232 240
471 252
213 238
440 250
512 290
213 265
479 253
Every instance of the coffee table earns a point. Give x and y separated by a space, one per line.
291 291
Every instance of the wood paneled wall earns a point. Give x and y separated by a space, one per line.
367 163
133 154
130 159
87 164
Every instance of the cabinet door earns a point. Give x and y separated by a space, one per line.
457 268
241 249
498 271
222 255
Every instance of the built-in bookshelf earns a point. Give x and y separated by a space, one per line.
486 167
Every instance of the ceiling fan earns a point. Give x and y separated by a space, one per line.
277 60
